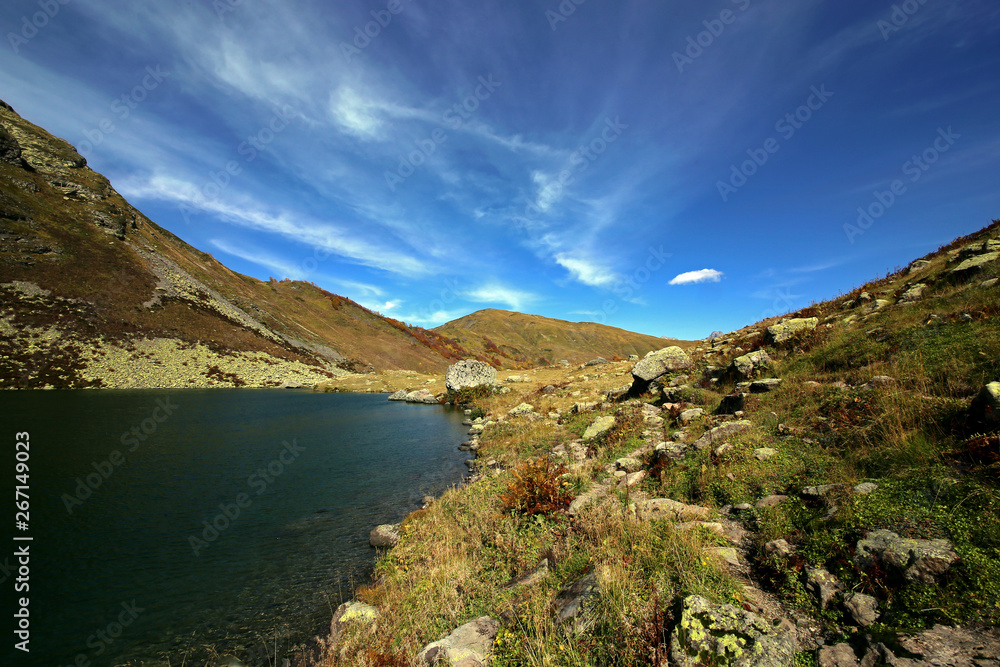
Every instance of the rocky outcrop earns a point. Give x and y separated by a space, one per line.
468 645
657 364
10 150
399 395
723 431
351 613
521 410
779 333
665 508
575 602
749 365
470 373
917 560
385 536
599 427
713 634
954 647
985 408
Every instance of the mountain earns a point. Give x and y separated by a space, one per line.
93 293
509 339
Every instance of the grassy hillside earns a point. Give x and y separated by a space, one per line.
515 338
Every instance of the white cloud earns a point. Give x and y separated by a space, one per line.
284 269
496 293
587 271
693 277
355 114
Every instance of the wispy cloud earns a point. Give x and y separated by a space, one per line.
496 293
283 268
587 271
694 277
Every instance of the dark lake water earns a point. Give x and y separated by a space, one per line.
233 525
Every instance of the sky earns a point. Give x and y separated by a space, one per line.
672 168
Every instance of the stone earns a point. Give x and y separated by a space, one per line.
724 448
821 490
399 395
576 601
947 646
421 396
599 361
912 295
973 266
633 357
880 381
385 536
823 585
467 645
10 150
728 554
749 364
779 548
711 526
713 634
658 363
689 416
985 408
770 501
722 432
986 284
764 386
521 410
617 392
628 464
599 427
864 488
732 404
838 655
635 478
918 560
917 265
470 373
779 333
764 453
517 378
349 613
665 508
862 608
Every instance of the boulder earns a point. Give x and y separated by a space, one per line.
385 536
764 453
770 501
575 602
599 361
838 655
628 464
779 548
689 416
599 427
399 395
973 266
468 645
521 410
918 560
749 364
349 613
764 386
665 508
954 647
421 396
713 634
912 295
732 404
985 408
779 333
470 373
10 150
657 364
823 585
862 608
722 432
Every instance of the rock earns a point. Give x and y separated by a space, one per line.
864 488
665 508
782 331
583 407
728 554
350 613
576 601
764 386
823 585
779 548
838 655
517 378
521 410
988 283
384 536
689 416
732 404
912 295
10 150
671 450
711 634
722 449
468 645
917 265
985 408
918 560
770 501
628 464
532 578
764 453
427 501
635 478
633 357
470 373
599 427
421 396
616 393
657 364
862 608
749 364
721 432
398 396
880 381
821 490
944 646
973 266
599 361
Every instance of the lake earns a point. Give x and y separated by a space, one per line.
170 526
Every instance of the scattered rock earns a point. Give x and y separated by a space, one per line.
665 508
576 601
421 396
657 364
821 490
770 501
725 635
988 283
862 608
823 585
689 416
599 427
532 578
384 536
749 364
633 357
635 478
917 265
764 386
764 453
399 395
973 266
880 381
779 548
521 410
628 464
350 613
732 404
985 408
468 645
782 331
912 295
864 488
838 655
721 432
944 646
470 373
728 554
599 361
919 560
722 449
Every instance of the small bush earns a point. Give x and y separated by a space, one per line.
537 488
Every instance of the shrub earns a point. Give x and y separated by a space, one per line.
537 488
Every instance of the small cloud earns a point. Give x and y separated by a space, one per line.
355 114
587 272
495 293
693 277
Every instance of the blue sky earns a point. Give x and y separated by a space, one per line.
666 167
